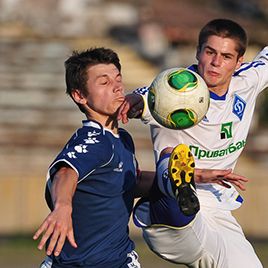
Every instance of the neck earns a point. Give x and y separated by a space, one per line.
218 91
110 123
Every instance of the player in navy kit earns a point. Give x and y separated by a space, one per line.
181 233
92 183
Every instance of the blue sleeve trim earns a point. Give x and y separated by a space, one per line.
239 199
253 64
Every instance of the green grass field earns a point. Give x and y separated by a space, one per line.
21 252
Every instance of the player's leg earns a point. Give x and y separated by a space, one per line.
181 173
177 204
239 250
197 244
207 239
172 226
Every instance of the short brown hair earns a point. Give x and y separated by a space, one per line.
224 28
76 66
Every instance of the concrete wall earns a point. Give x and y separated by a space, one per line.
36 119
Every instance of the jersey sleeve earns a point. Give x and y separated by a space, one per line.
263 55
86 151
146 116
256 72
262 59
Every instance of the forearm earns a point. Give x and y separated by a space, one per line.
63 187
137 107
132 107
220 176
58 224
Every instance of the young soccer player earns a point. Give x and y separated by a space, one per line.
92 183
183 233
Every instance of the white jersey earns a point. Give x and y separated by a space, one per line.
218 140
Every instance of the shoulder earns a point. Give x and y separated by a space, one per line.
253 75
89 144
91 134
262 55
88 149
259 64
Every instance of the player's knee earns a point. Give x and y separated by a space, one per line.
165 151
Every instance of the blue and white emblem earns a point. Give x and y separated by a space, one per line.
239 106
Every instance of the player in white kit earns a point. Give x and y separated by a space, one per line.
209 237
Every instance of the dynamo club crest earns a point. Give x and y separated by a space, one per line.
239 106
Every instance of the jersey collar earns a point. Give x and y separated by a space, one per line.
91 123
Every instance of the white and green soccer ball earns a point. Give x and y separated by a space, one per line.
178 98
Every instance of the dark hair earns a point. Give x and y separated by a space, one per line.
76 66
224 28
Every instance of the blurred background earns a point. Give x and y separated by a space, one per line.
37 117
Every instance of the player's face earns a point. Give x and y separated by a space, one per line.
105 91
217 61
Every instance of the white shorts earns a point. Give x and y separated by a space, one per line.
212 239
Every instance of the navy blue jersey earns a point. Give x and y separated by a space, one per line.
103 200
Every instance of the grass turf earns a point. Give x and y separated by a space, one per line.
22 252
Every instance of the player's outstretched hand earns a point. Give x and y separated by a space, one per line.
131 107
220 176
57 226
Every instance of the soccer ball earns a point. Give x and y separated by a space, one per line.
178 98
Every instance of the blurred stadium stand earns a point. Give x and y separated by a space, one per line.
36 117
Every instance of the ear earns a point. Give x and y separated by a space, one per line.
78 96
239 62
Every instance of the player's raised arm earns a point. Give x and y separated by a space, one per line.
58 224
220 176
132 107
